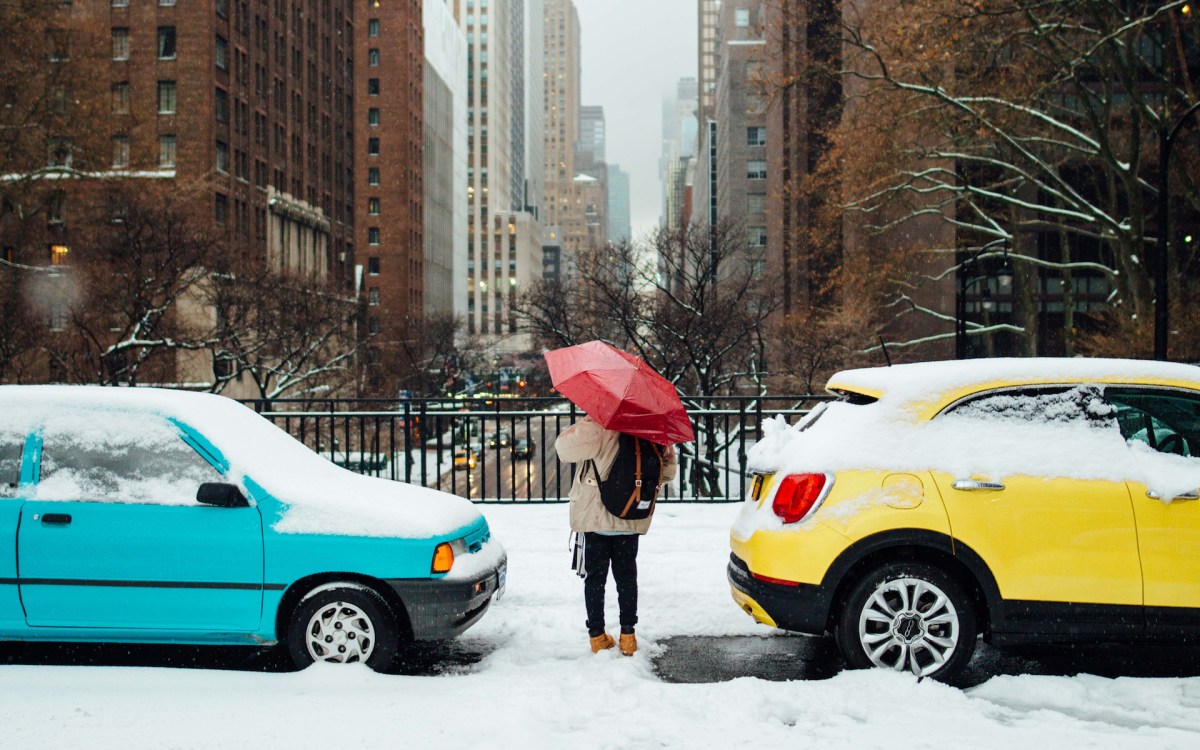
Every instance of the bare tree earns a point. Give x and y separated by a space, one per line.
434 354
1029 123
289 334
119 303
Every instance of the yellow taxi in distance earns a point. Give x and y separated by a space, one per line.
1034 500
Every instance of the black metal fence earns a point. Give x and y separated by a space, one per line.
502 450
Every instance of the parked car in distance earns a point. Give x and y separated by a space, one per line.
522 448
1036 500
154 516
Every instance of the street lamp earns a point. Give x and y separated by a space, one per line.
1161 307
966 281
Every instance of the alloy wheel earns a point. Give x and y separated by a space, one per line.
909 624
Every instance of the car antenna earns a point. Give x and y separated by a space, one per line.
887 357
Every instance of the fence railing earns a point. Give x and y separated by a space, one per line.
502 450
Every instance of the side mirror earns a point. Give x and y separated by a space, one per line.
222 495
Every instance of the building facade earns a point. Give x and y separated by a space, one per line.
388 174
562 71
619 227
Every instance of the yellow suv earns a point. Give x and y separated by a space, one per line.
1034 500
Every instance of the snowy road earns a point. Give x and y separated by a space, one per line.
523 678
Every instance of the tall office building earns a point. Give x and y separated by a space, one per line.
504 243
535 109
679 148
445 210
250 107
591 133
618 205
740 123
706 65
389 139
562 73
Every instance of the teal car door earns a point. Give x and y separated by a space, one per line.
12 445
114 538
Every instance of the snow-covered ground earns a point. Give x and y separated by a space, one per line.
540 687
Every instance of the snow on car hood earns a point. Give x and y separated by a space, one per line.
883 436
317 495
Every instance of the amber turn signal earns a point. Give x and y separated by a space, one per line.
443 558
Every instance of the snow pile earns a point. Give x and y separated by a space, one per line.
319 496
540 687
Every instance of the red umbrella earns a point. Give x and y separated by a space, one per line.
621 392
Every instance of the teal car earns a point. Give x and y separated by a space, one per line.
143 515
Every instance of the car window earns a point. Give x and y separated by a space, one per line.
1167 421
1082 404
120 458
11 446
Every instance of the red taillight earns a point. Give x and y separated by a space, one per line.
777 581
796 496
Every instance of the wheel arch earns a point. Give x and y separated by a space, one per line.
921 545
296 592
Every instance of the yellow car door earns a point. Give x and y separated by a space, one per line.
1048 540
1168 422
1045 539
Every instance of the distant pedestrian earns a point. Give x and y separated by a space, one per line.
602 539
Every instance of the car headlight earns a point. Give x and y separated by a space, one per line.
444 554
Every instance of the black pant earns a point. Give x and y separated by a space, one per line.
599 551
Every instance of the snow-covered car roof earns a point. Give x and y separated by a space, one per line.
320 497
934 384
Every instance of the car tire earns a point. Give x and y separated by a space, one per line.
343 623
909 617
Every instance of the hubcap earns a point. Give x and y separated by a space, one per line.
340 632
909 625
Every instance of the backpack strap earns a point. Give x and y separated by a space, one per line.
636 495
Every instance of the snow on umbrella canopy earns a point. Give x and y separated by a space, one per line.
621 392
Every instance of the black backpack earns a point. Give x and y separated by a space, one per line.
632 484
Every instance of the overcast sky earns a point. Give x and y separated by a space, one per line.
633 52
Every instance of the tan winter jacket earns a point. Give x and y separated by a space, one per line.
587 439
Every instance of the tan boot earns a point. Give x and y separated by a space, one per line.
628 643
601 642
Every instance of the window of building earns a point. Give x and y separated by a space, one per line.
56 207
120 43
166 2
373 235
373 57
221 213
166 97
166 151
373 175
373 27
373 116
222 105
756 169
373 326
756 135
120 152
372 87
222 53
757 236
58 255
223 8
741 17
222 157
373 206
373 296
373 146
58 152
166 42
756 203
373 266
120 3
120 98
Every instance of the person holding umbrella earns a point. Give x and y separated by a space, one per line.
634 417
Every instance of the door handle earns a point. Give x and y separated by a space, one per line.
56 519
971 485
1184 496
